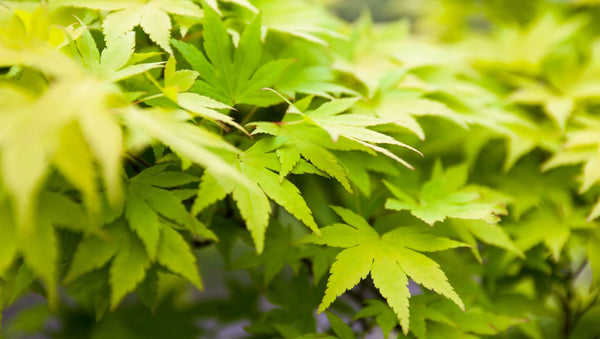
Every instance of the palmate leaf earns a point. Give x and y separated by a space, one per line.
435 317
312 143
570 84
352 126
403 107
148 205
130 261
233 75
304 134
256 164
530 45
446 196
390 259
176 82
78 111
557 106
152 16
549 225
112 63
470 231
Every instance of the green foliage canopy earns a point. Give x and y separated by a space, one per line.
143 141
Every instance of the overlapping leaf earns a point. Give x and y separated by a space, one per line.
148 206
390 259
305 137
253 200
129 260
233 75
152 16
446 196
111 64
177 81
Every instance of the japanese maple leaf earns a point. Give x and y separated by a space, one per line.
438 318
390 258
229 74
330 118
111 64
148 205
130 261
256 163
176 84
152 16
446 196
312 133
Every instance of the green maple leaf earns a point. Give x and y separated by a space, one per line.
351 126
557 106
446 196
111 64
312 144
148 206
15 282
568 84
528 46
470 231
94 252
178 81
190 142
233 75
548 225
391 259
130 260
128 268
433 316
305 137
152 16
176 255
402 107
77 117
253 200
38 243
